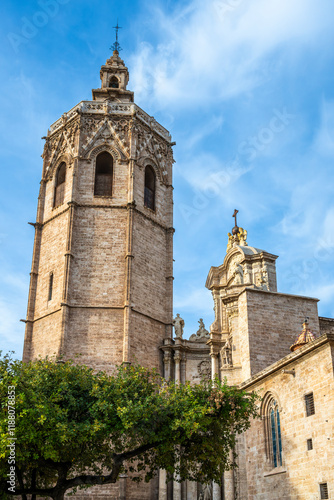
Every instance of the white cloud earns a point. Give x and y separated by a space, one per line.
213 50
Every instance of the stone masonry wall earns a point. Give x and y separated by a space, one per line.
274 321
302 471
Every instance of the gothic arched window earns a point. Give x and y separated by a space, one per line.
149 190
60 185
272 430
114 83
103 175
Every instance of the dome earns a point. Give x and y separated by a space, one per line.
304 337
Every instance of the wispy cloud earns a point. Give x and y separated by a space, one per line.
223 51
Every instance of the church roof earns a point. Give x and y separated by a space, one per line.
303 338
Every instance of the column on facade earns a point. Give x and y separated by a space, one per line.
162 473
216 491
191 490
177 360
162 484
214 365
229 482
183 367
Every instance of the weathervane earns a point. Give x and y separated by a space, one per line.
116 46
235 230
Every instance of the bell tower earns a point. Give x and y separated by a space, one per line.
102 270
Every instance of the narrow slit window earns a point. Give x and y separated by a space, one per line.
324 491
309 404
309 444
103 175
149 189
50 286
60 185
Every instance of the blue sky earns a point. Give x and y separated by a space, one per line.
246 89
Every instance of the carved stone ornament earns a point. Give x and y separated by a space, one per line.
95 131
149 145
204 369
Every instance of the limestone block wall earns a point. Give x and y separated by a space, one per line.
98 265
302 471
51 260
269 323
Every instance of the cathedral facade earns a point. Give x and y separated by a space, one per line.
102 288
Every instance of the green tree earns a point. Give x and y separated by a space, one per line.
75 428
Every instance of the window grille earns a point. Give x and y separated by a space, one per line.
309 444
60 185
149 190
309 404
324 491
272 431
103 175
50 286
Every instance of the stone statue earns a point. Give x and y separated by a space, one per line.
201 333
230 242
242 237
227 353
178 323
238 275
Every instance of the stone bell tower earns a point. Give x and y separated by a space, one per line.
102 278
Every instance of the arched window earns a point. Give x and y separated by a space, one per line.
149 190
103 175
60 185
114 83
272 430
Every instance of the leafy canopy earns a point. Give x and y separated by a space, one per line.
76 428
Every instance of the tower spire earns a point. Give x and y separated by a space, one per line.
116 46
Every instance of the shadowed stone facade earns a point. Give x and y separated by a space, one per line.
102 287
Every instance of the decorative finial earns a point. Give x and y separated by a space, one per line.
116 46
235 230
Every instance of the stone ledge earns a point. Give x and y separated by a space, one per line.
273 472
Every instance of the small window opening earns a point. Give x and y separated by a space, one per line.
50 286
309 404
272 431
149 190
60 185
114 83
103 175
309 444
324 491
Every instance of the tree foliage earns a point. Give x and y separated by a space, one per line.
76 428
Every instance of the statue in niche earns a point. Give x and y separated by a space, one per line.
201 333
227 353
178 323
238 275
247 276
